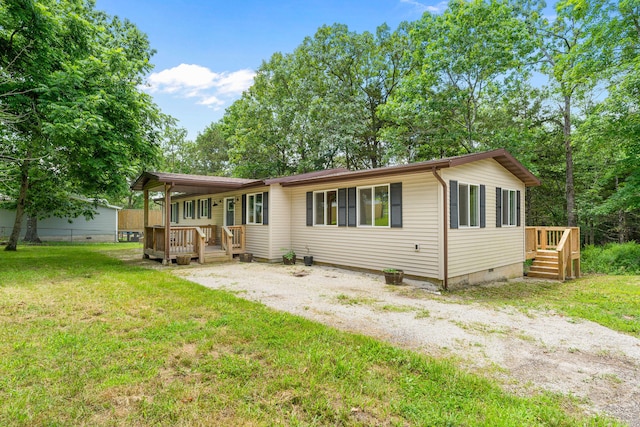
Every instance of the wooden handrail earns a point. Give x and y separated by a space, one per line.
563 240
233 239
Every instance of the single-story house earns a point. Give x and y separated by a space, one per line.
455 220
103 227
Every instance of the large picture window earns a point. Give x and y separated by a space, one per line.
509 208
254 208
373 206
325 211
469 205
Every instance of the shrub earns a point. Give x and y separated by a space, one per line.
613 258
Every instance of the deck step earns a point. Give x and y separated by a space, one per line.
545 265
542 275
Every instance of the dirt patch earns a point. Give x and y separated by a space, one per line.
528 353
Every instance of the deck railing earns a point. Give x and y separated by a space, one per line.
233 239
563 240
183 240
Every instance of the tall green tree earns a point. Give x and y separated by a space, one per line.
83 120
575 55
471 55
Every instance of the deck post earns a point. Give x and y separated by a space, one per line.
167 224
145 224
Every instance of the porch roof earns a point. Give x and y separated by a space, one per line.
192 184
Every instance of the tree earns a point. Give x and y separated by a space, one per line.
473 54
575 53
84 121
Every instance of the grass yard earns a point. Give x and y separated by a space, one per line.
86 339
612 301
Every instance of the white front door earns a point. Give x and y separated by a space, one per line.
229 211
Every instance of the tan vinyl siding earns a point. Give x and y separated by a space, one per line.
257 236
477 249
279 221
376 248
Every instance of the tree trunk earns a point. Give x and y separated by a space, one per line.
22 197
570 190
31 235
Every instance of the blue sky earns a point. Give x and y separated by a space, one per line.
207 51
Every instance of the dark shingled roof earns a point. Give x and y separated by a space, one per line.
200 184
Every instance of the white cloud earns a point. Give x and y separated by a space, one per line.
195 81
438 8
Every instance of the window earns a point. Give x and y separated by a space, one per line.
174 212
188 209
469 205
509 207
203 209
325 208
373 206
254 208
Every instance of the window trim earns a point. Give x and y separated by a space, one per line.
255 205
203 208
373 196
513 203
468 207
174 212
326 207
189 206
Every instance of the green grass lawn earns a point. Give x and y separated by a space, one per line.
612 301
86 339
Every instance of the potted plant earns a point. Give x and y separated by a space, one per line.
393 276
308 259
289 258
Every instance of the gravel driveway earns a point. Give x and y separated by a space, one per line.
532 351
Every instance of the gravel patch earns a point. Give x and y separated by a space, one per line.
527 352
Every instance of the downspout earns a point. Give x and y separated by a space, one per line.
445 228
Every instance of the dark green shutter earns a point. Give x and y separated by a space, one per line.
498 207
265 208
342 207
209 203
193 210
396 204
518 206
198 208
351 207
453 204
309 208
483 206
244 209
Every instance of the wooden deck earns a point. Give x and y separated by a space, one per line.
195 242
555 252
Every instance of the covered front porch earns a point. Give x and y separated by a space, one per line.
204 237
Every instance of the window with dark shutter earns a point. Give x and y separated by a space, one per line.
453 204
265 208
396 204
342 207
498 207
244 209
309 208
518 208
351 207
483 206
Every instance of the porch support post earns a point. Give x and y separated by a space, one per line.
145 224
167 224
146 208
